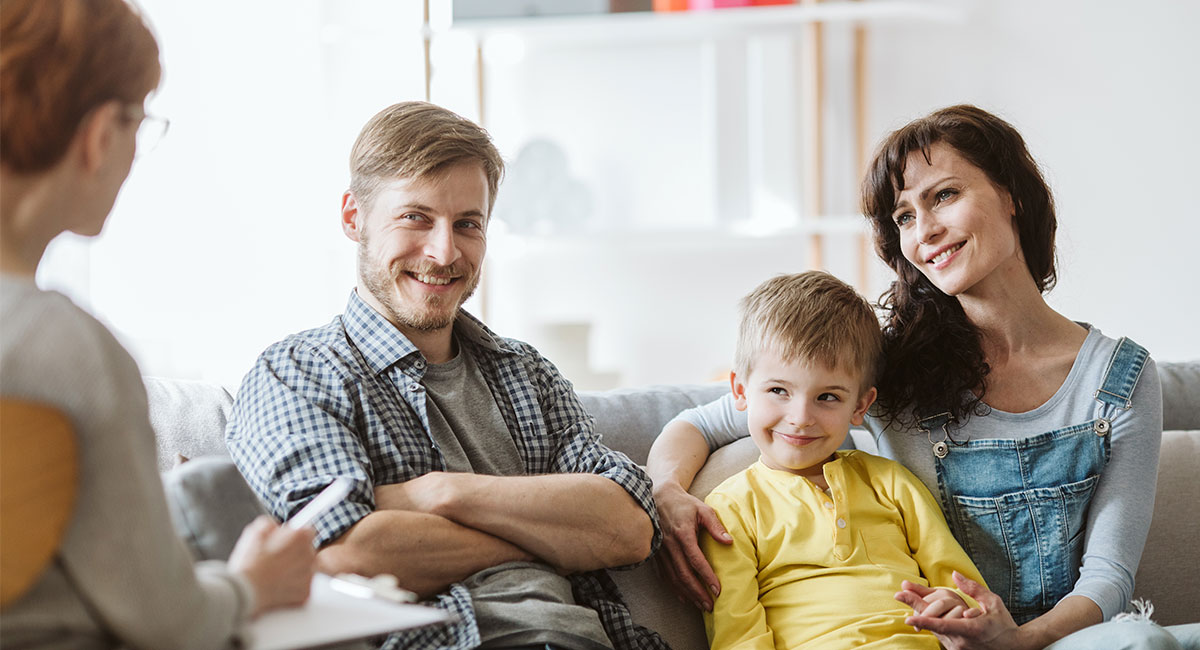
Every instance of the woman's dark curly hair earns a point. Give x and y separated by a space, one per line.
933 355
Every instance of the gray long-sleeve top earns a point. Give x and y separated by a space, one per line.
121 576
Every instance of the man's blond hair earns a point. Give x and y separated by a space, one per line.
419 140
810 317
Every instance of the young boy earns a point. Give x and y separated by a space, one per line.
822 537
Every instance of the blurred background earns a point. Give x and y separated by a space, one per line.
661 164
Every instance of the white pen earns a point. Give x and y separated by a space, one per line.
328 498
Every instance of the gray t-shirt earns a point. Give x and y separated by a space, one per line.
516 603
1119 516
465 422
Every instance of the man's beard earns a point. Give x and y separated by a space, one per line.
381 283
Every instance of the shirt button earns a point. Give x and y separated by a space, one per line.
841 523
829 505
414 388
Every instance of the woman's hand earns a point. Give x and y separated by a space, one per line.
987 626
681 516
277 561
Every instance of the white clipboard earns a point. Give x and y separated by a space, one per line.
332 616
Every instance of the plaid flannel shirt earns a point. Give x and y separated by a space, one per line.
346 400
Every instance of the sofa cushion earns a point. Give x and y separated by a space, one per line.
210 504
1181 395
1162 576
629 419
188 418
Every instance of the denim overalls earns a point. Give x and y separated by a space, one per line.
1019 507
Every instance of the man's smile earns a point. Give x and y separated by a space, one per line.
434 280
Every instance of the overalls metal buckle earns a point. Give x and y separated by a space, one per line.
942 420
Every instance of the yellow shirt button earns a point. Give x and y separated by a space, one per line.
829 505
841 523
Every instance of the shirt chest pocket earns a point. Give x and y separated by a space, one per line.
885 545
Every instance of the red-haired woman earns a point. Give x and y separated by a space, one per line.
74 76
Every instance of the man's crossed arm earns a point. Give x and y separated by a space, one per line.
441 527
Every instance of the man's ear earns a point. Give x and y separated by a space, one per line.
739 391
96 135
352 217
864 402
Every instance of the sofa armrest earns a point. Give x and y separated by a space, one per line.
188 418
210 503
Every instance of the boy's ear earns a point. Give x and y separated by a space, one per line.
864 402
739 391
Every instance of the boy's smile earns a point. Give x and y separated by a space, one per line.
799 413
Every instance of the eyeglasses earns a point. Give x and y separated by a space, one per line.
151 129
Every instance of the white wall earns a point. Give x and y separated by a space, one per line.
226 238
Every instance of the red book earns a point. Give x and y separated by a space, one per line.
717 4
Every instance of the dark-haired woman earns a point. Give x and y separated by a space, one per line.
74 77
1040 435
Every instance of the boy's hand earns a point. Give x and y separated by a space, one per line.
934 602
987 626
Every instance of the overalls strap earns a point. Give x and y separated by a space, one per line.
934 422
1122 374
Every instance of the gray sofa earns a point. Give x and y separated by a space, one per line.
210 503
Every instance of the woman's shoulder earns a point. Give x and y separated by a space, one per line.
48 325
1107 363
53 351
1099 346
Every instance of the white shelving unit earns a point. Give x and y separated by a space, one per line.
808 18
660 271
634 26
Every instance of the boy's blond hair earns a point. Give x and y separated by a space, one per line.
809 317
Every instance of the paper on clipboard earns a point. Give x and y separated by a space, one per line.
331 616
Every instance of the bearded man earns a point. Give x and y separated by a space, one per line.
479 481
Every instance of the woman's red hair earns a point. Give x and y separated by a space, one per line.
59 60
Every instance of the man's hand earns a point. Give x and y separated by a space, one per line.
681 516
988 626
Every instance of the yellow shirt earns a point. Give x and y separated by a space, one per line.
814 570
